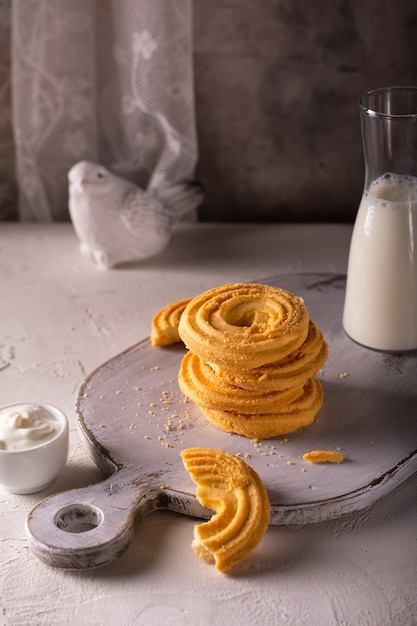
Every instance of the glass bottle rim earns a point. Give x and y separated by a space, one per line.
366 106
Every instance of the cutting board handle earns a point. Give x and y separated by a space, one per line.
91 526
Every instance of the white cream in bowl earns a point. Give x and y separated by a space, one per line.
33 446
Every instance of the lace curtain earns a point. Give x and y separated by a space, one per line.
108 81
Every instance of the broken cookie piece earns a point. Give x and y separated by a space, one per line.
236 494
164 330
324 456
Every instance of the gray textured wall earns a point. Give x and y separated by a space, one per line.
277 89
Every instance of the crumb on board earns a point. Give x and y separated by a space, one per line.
343 375
324 456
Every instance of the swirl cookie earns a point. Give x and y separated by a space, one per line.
200 382
242 326
292 370
234 491
164 329
297 414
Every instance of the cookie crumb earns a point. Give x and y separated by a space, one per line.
323 456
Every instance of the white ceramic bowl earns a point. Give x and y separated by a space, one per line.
35 468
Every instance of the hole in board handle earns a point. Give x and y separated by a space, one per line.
78 518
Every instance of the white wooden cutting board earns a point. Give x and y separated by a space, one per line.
134 422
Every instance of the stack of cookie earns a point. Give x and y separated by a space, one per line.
254 354
253 358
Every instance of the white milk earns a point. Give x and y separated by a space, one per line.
381 293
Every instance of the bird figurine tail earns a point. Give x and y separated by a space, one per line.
182 198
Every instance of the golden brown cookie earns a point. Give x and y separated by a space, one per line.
299 413
243 325
292 370
164 330
200 382
235 492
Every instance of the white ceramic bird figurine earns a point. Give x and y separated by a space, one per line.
116 221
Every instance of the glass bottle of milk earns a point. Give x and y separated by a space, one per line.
380 308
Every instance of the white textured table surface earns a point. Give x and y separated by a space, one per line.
60 318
